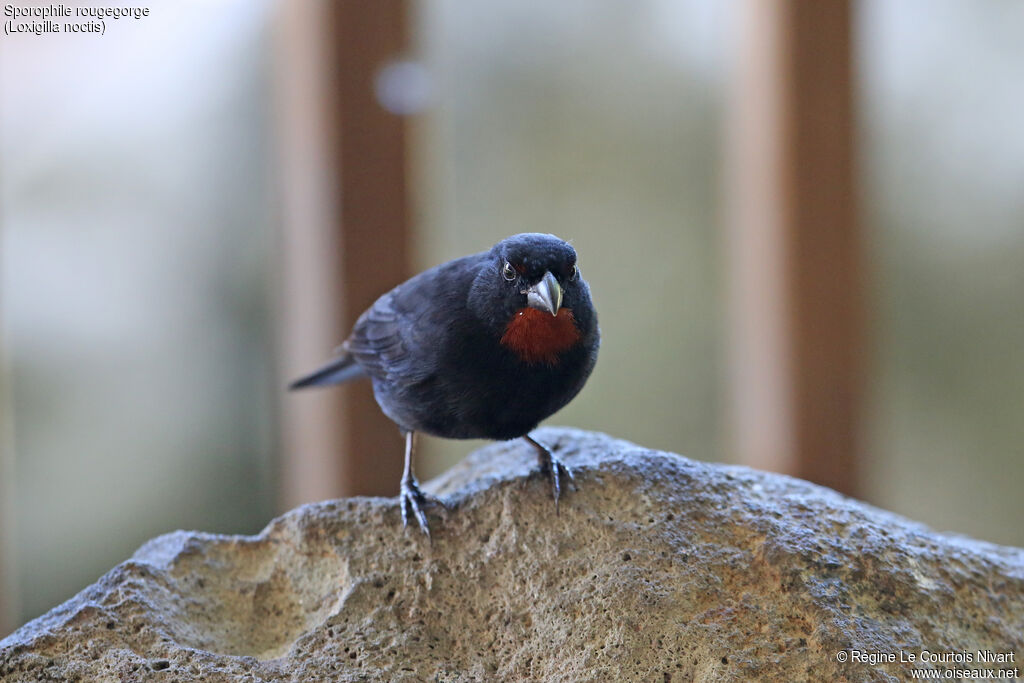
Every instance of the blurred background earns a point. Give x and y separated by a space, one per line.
803 229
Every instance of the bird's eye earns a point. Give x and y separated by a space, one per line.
574 271
508 272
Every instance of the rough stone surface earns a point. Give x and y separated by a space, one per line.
658 569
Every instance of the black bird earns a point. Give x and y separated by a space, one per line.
482 347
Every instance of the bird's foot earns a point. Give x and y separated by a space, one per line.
554 469
413 500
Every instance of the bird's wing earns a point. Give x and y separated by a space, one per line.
397 337
377 342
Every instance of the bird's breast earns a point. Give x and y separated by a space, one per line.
539 337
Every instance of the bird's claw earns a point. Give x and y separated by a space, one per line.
413 500
555 470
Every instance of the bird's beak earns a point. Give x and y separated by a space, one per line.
546 295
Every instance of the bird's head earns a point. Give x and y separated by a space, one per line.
530 292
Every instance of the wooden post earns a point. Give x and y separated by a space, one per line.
374 245
345 235
796 291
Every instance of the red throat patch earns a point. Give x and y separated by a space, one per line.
538 337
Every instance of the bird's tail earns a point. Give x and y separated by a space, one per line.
339 370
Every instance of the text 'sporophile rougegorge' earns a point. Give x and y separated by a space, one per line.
40 20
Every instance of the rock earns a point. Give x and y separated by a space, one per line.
658 568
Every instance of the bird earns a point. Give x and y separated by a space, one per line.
481 347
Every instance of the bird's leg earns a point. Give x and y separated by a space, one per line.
552 467
412 498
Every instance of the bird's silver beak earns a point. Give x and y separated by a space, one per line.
546 295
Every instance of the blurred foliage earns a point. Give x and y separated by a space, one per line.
943 166
137 235
602 128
